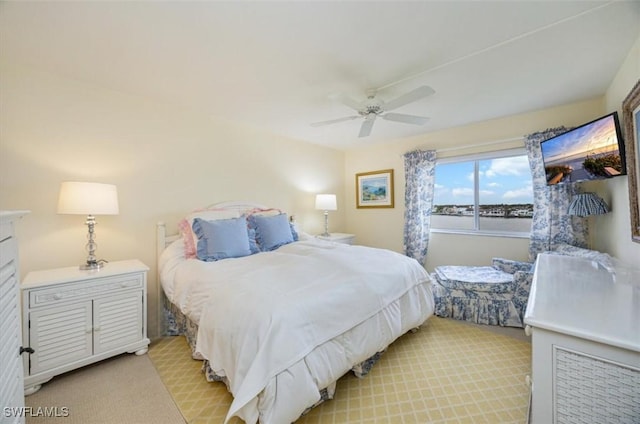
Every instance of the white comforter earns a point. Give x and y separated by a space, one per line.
292 321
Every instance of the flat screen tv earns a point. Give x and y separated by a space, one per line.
592 151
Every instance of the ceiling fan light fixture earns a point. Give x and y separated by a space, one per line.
373 107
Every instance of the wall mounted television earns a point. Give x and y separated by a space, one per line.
592 151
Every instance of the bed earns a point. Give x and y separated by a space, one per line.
281 322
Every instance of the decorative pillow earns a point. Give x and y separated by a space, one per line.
272 231
186 226
222 238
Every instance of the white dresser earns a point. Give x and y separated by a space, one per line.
585 324
11 372
76 317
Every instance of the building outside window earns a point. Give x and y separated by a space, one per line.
489 194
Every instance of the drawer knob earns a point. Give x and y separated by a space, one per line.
57 296
528 330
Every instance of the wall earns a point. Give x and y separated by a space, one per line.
384 227
164 160
614 229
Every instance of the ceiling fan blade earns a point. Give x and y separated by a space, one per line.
411 96
367 125
347 101
406 119
334 121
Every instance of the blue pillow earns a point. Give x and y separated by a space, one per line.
294 233
271 231
222 239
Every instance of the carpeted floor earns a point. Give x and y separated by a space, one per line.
447 372
123 389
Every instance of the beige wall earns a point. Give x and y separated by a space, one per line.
164 160
613 232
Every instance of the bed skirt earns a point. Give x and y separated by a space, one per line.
178 324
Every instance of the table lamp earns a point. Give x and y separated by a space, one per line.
80 198
326 202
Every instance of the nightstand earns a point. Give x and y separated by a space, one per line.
73 317
338 238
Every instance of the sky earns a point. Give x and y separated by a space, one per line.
503 180
593 136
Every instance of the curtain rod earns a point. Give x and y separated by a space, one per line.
471 146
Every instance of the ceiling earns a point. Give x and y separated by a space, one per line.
277 65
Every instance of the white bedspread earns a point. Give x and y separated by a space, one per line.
272 321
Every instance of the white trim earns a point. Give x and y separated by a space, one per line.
486 143
485 233
495 154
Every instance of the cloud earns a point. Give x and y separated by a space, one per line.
517 165
458 192
524 192
494 185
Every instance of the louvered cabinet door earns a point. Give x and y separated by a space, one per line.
60 336
10 360
117 321
11 371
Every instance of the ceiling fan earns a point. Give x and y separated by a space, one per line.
372 108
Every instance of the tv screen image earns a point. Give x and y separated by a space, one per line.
591 151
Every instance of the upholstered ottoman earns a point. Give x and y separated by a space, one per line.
475 278
483 294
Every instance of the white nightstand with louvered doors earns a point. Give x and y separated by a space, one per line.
73 317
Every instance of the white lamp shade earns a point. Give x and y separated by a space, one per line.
326 202
77 198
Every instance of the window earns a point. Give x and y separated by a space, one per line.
484 194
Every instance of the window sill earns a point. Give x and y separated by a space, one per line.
482 233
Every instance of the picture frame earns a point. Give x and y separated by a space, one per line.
375 189
631 123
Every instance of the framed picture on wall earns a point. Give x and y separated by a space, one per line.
631 122
374 189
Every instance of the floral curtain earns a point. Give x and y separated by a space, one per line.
551 223
419 172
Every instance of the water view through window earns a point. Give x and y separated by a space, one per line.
488 195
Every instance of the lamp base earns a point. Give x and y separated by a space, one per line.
92 265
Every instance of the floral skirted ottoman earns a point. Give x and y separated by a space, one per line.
493 295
